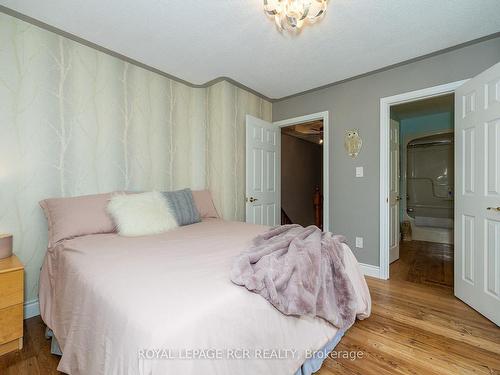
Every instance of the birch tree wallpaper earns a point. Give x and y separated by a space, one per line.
76 121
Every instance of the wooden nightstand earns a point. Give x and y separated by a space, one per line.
11 304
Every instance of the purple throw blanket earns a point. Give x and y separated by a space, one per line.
301 272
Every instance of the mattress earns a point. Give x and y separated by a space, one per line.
164 304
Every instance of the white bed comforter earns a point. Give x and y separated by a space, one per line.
136 305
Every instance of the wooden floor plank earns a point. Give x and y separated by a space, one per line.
424 340
417 327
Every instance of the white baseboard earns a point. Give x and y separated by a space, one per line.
369 270
31 309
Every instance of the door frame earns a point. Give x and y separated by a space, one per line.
326 144
385 114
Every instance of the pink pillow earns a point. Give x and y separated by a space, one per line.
77 216
204 204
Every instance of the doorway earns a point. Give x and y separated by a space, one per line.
305 134
390 197
476 204
302 173
263 168
422 190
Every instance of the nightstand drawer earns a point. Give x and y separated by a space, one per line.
11 290
11 346
11 323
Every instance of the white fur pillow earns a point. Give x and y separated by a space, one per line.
141 214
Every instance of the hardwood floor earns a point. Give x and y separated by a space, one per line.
425 263
35 357
417 326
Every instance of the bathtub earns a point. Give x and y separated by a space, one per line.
430 187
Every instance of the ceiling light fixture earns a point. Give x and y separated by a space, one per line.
292 14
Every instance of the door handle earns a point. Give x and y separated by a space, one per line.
398 199
494 209
252 199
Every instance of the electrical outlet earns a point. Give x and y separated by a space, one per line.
359 172
359 242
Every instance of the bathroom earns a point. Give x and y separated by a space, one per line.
426 179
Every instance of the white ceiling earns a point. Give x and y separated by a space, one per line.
201 40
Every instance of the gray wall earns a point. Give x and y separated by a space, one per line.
301 172
354 209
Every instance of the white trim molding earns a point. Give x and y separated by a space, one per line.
31 309
370 270
385 114
326 158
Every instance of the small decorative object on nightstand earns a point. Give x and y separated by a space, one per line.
11 304
5 245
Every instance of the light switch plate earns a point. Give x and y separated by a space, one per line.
359 172
359 242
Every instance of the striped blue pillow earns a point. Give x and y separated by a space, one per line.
183 206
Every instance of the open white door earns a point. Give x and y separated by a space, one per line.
263 165
477 198
394 197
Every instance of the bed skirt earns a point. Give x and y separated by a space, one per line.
54 345
314 363
309 367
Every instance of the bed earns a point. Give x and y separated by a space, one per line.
143 305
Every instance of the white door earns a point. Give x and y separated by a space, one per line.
263 171
394 194
477 197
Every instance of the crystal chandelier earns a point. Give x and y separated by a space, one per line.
292 14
